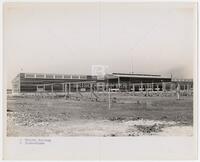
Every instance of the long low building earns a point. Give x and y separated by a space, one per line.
127 82
143 82
35 82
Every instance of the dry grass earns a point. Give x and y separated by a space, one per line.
26 115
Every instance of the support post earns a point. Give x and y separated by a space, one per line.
163 86
133 90
52 88
107 87
178 91
66 91
103 87
77 87
63 87
109 102
141 87
118 82
91 89
69 87
188 89
147 89
157 88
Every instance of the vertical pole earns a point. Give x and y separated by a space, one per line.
118 82
157 88
109 102
68 89
188 88
141 88
63 87
147 89
185 87
107 86
77 87
171 89
52 88
91 89
163 86
133 90
178 91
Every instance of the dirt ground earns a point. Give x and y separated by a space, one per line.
128 116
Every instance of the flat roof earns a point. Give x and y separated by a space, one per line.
116 75
133 74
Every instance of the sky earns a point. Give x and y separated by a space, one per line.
69 38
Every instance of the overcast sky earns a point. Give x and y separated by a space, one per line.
71 37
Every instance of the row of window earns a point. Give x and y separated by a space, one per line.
51 76
182 80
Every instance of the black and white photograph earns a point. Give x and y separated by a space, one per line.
100 69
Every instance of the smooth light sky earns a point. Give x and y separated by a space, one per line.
154 38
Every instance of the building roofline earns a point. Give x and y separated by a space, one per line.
135 74
55 74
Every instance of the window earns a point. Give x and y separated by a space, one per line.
30 76
39 75
94 77
83 77
67 76
58 76
49 76
75 77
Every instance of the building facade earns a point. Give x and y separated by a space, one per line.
35 82
136 82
